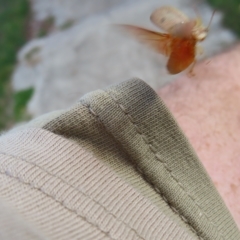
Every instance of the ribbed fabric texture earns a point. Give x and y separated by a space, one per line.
114 166
13 227
69 194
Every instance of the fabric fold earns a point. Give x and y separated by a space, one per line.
65 192
131 121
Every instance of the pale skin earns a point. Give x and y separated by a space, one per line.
207 108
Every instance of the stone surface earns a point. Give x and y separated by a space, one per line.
91 54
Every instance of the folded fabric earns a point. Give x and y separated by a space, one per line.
114 166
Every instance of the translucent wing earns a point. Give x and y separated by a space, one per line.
167 17
160 42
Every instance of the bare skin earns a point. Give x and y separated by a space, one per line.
207 108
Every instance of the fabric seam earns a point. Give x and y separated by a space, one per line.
7 173
157 156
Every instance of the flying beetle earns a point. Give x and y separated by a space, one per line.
179 43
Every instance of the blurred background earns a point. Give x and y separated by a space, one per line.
53 52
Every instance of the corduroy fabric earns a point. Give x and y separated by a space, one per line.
114 166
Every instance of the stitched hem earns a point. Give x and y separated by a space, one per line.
158 157
31 184
139 170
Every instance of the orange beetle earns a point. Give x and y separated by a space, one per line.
179 43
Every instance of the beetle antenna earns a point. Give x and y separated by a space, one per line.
211 18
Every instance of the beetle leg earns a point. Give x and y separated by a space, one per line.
200 50
190 72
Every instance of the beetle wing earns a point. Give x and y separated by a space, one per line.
182 55
159 42
167 17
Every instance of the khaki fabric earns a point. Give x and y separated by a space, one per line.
114 166
66 192
12 225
